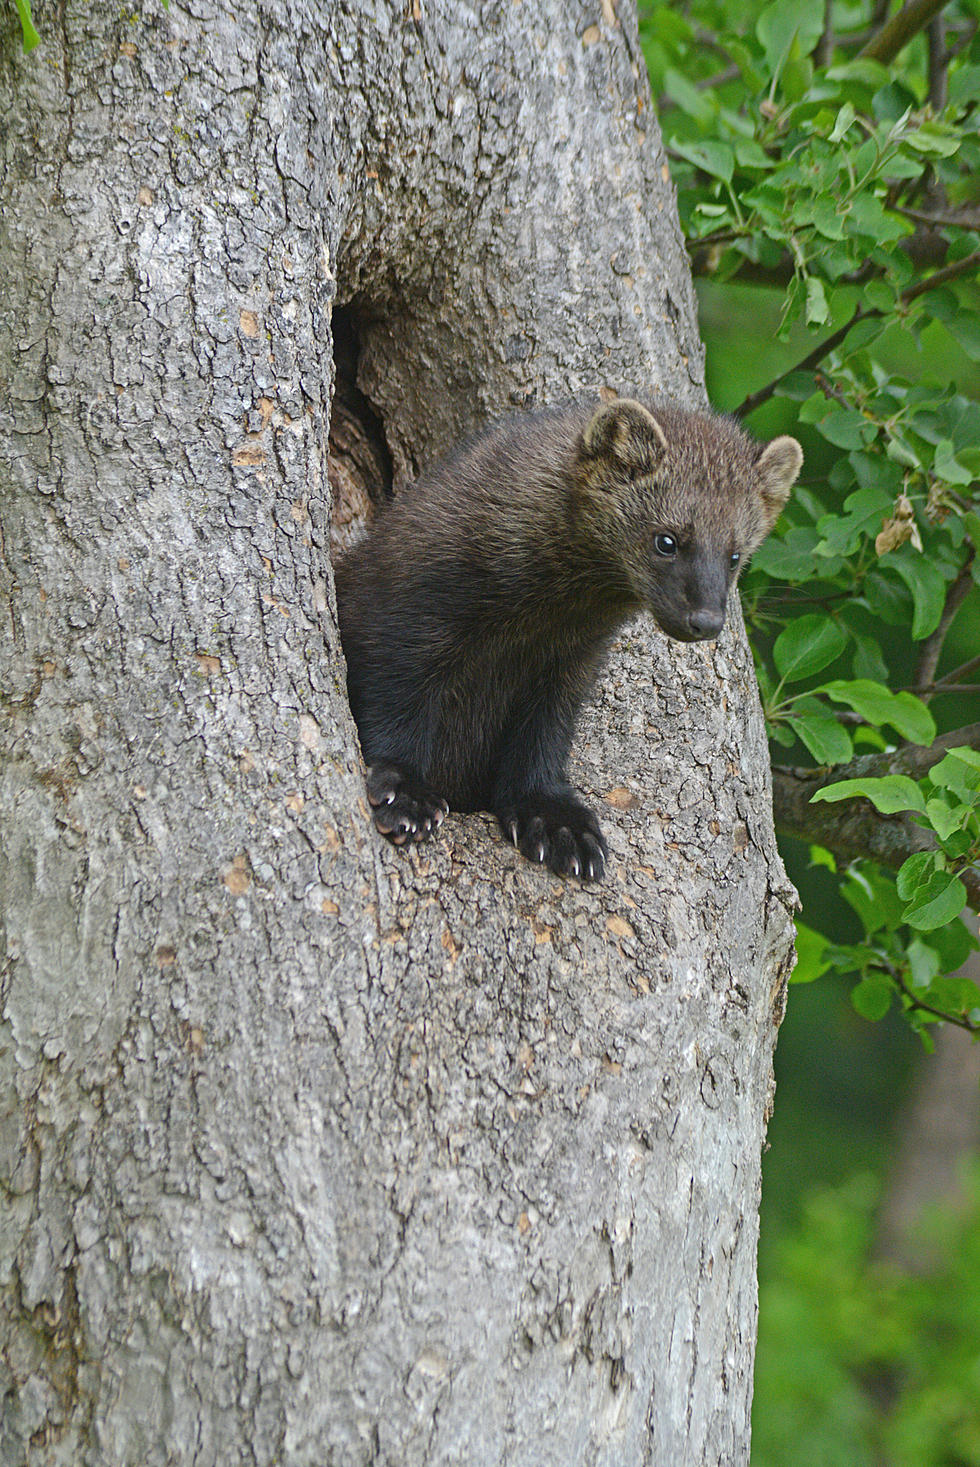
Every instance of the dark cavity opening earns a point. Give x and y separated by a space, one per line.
359 463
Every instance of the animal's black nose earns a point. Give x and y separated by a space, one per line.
705 622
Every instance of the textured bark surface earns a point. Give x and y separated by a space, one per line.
312 1151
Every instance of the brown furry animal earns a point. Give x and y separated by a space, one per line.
475 615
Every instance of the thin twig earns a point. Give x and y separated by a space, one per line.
958 672
942 690
910 293
933 645
965 220
917 1003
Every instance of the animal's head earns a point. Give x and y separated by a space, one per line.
675 503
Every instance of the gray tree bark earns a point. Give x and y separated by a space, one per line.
313 1151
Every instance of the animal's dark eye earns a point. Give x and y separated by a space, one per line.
736 557
665 544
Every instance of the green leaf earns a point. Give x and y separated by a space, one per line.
817 309
806 646
954 944
697 105
904 712
847 428
871 892
826 740
934 139
749 154
969 458
893 102
862 333
956 996
714 158
810 949
947 465
959 771
945 820
30 35
872 997
889 793
923 963
938 901
789 558
914 872
971 525
961 843
795 78
824 214
869 217
890 602
965 329
926 585
712 211
964 86
881 294
864 511
868 662
787 28
862 69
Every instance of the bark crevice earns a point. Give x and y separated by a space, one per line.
359 463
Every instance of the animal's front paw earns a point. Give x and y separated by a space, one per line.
556 831
404 808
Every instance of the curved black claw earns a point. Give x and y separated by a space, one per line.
557 831
404 808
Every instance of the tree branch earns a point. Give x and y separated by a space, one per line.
811 360
938 63
854 828
825 46
911 293
941 277
897 32
851 829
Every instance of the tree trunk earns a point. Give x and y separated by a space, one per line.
313 1151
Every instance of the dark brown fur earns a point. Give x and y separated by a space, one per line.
476 613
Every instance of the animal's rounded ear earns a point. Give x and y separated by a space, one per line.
777 469
626 431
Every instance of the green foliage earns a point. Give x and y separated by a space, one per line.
860 1362
804 167
946 802
30 35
